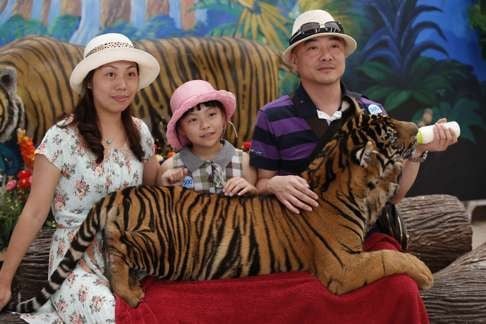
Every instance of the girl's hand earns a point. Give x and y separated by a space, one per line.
172 177
238 186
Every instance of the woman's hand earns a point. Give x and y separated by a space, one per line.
238 186
5 294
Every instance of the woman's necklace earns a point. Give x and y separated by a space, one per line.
108 141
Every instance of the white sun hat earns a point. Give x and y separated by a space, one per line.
112 47
316 23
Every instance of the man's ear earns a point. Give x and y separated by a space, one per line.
364 154
293 61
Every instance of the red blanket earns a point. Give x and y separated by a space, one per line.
295 297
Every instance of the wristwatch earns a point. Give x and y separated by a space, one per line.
419 158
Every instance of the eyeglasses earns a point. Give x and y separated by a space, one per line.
312 28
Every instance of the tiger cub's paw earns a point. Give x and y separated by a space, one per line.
420 272
132 296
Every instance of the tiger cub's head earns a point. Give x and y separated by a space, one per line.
12 111
364 158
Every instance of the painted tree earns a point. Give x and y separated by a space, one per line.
137 13
89 25
7 11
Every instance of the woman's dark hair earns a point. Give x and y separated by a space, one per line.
86 120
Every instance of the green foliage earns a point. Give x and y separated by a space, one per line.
288 81
478 20
11 203
18 27
426 83
464 110
122 27
64 27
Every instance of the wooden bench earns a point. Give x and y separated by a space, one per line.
440 235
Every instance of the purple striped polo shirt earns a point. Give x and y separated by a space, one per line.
283 140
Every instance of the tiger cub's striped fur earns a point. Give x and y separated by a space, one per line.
179 234
247 68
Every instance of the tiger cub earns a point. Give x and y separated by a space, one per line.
178 234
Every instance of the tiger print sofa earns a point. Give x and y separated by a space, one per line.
34 92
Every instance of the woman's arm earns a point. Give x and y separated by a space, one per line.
44 181
150 171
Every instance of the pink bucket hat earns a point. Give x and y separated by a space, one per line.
189 95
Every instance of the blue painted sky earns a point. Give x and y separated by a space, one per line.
462 41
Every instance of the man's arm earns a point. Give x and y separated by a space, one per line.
443 138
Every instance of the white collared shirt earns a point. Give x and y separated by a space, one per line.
336 115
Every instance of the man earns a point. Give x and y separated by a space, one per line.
289 129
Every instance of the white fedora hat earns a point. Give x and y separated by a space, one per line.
113 47
316 23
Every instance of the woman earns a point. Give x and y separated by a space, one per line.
100 148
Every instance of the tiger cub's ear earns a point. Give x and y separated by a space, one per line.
364 155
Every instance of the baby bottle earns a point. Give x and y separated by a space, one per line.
425 134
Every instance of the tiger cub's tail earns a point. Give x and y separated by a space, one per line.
94 223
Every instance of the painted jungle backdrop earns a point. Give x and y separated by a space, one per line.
423 59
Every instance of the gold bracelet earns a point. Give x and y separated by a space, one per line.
419 158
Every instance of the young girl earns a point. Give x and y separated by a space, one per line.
99 149
205 161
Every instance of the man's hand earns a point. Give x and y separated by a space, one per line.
293 191
443 138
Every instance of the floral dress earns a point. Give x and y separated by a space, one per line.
85 296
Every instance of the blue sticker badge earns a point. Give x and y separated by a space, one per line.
187 182
374 109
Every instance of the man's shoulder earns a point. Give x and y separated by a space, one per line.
279 108
283 101
370 106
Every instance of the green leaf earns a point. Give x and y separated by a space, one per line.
396 99
375 70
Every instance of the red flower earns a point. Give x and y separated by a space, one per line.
24 174
27 149
24 183
246 146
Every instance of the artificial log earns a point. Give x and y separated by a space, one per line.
32 273
439 229
459 291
